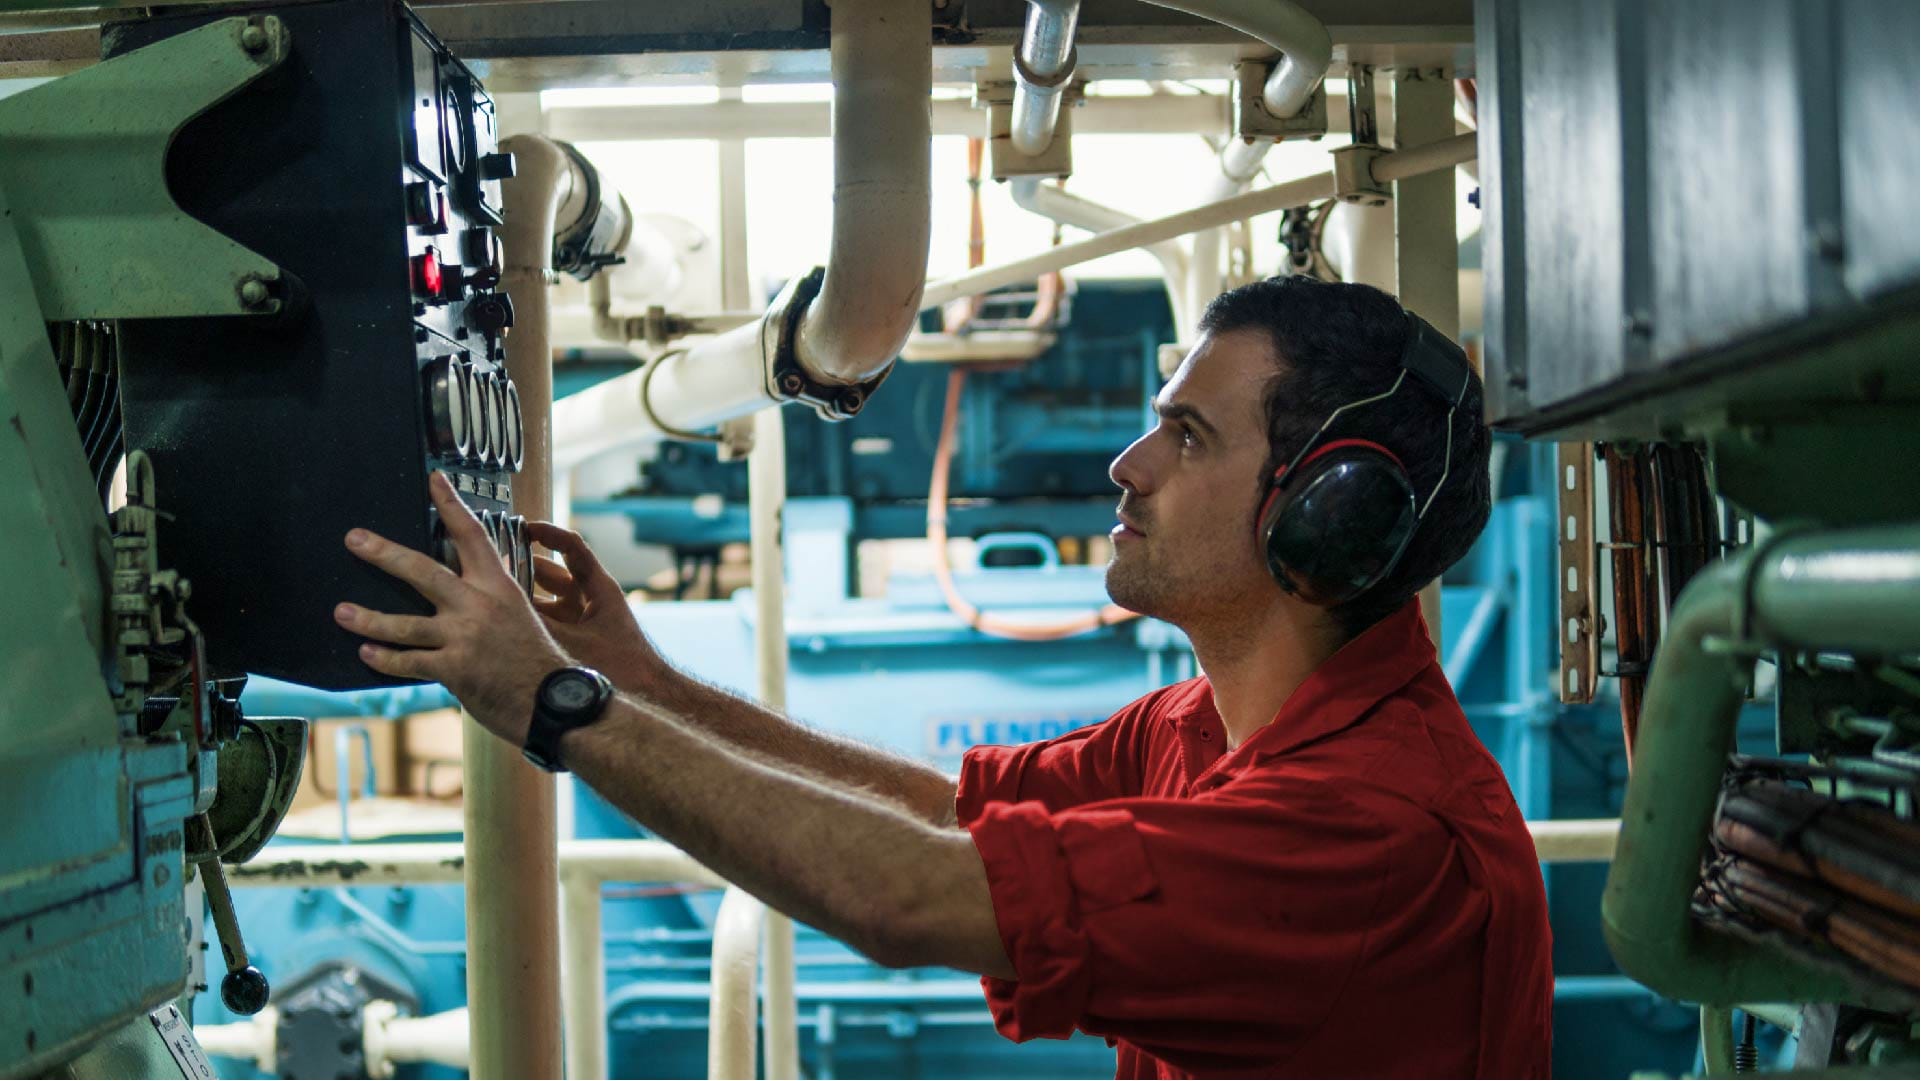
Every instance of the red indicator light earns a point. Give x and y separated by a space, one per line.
427 280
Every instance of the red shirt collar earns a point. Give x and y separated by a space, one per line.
1373 665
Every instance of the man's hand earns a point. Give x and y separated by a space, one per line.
484 641
589 615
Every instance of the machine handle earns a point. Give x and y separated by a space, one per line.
1038 543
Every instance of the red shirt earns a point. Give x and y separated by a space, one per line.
1351 892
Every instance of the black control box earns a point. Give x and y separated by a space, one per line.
366 167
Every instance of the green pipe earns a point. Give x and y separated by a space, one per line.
1717 1041
1855 590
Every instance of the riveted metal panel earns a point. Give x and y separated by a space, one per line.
1880 128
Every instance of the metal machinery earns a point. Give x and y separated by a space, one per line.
205 224
1705 272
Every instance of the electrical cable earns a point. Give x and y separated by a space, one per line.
1106 616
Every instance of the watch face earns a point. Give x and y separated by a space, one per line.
571 693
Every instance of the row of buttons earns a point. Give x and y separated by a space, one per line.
508 532
473 417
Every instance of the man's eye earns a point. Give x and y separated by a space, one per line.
1188 438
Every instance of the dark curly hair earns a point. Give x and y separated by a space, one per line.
1336 343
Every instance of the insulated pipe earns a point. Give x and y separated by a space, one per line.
1303 41
877 257
255 1039
513 903
883 70
1206 216
733 1011
388 1039
1306 50
766 505
584 968
1054 204
1855 591
1043 63
438 863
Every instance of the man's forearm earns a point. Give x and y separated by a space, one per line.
920 789
898 888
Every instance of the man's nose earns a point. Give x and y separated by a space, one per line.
1129 470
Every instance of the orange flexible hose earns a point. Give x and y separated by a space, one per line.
992 626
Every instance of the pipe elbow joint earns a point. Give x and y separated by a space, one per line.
790 377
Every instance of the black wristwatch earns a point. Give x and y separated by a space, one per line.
568 698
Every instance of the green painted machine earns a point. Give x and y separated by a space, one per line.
125 773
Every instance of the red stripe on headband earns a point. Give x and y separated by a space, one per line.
1337 445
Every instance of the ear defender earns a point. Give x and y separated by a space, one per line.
1334 525
1338 517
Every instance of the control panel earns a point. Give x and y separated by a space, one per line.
371 175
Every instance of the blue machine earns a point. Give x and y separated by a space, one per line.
902 672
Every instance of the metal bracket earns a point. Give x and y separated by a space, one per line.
788 378
83 163
1354 175
1004 161
1578 582
1253 121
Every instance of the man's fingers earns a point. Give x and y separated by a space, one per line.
581 562
435 582
552 577
405 663
469 536
400 630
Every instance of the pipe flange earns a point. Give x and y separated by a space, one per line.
789 379
1026 75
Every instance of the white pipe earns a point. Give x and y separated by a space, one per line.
1304 44
1206 216
766 505
1575 840
1237 165
877 256
1425 158
254 1039
388 1039
727 380
1043 63
779 977
1051 202
435 863
583 971
1153 231
1306 51
1358 241
733 1010
883 72
1158 114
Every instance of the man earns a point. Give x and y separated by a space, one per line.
1301 863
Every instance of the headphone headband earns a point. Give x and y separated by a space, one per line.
1338 545
1437 363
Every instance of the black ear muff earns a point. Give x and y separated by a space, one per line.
1336 524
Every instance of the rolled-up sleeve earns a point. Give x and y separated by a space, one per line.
1098 762
1204 930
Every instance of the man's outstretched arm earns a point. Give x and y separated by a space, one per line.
897 887
590 618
